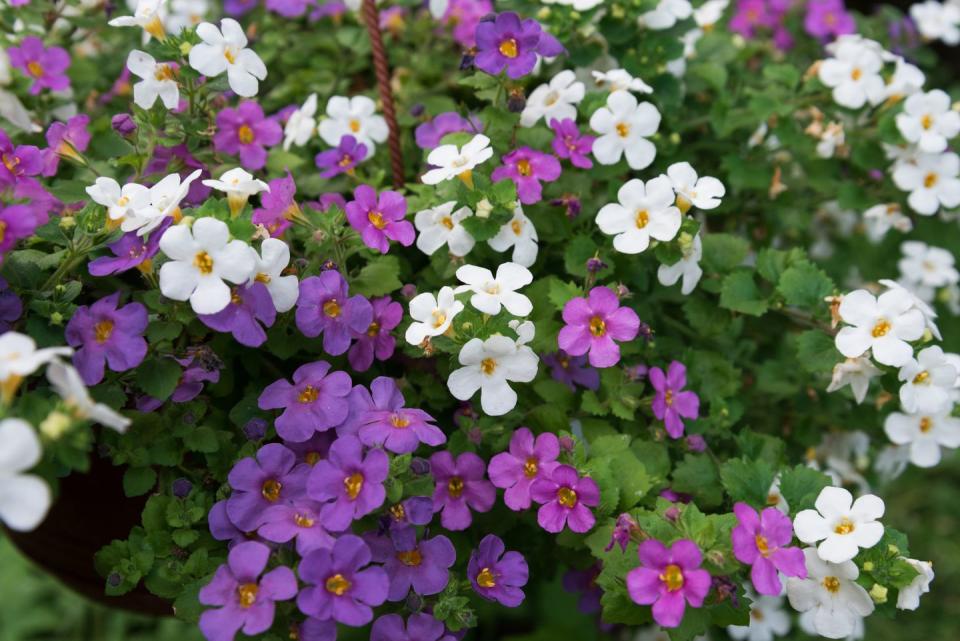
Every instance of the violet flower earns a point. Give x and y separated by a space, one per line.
198 369
277 206
464 16
496 575
16 223
671 401
245 131
569 143
222 528
298 520
527 460
381 419
45 66
828 19
288 8
585 583
377 341
423 566
11 307
249 311
419 627
572 370
507 42
314 449
315 402
237 8
258 483
342 587
430 134
325 307
17 161
341 160
104 334
761 540
526 167
593 324
460 487
566 499
416 510
379 219
623 532
352 482
65 140
669 579
129 251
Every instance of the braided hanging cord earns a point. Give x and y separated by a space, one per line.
380 65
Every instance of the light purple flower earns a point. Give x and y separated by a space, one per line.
380 219
668 579
16 223
259 483
526 167
566 499
107 335
593 324
569 143
46 66
377 341
827 19
429 134
343 159
423 565
314 448
222 528
237 8
249 311
419 627
572 370
351 481
623 532
761 540
129 251
751 15
416 510
381 419
495 575
298 520
460 487
465 15
245 598
671 401
17 161
508 43
65 140
343 587
201 366
315 402
314 629
325 307
277 206
527 460
245 131
288 8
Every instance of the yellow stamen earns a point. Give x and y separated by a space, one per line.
353 484
455 487
524 168
399 422
247 594
673 577
845 526
926 424
642 219
271 490
488 366
103 330
485 579
376 219
412 559
567 497
331 308
762 545
597 326
623 129
308 394
337 584
203 262
35 69
832 584
509 48
303 521
530 468
881 328
245 134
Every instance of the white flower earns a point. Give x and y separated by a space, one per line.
165 198
907 79
855 372
880 219
701 192
185 14
488 366
854 74
577 5
202 258
688 266
620 80
666 14
928 313
932 181
148 15
927 382
644 212
441 226
556 100
831 138
491 292
438 8
623 126
520 234
239 185
432 315
928 121
157 81
268 268
937 21
66 381
19 357
226 50
891 462
832 593
775 496
452 162
925 433
710 13
119 201
302 124
24 498
883 325
768 620
909 597
954 359
842 524
926 268
355 117
525 331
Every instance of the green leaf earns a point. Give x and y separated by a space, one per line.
801 485
202 439
378 277
747 481
697 475
137 481
723 252
739 293
158 377
816 351
632 477
804 285
561 292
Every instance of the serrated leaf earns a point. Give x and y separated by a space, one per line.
723 252
800 487
804 285
378 277
817 351
740 293
747 481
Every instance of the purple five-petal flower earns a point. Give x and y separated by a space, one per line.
761 540
315 402
325 307
460 487
527 460
105 334
350 483
566 499
342 587
671 401
380 418
594 324
669 579
497 575
380 219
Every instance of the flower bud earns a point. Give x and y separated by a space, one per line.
878 593
255 429
484 207
516 101
567 443
594 265
408 291
696 443
123 124
182 488
419 466
55 425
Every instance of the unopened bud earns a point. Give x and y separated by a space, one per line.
878 593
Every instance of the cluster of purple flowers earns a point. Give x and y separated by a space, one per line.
824 19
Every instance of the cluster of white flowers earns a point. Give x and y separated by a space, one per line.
356 116
139 208
938 20
557 99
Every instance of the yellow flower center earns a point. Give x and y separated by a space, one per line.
311 458
930 180
245 134
926 424
509 48
376 219
439 318
262 278
762 545
308 394
355 125
523 167
10 162
832 584
303 521
398 512
845 526
756 614
485 578
331 308
271 490
247 594
373 329
530 468
856 74
35 69
203 262
447 222
488 366
163 72
455 487
103 330
412 559
927 121
673 577
642 219
567 497
623 129
773 499
230 55
517 227
337 584
399 422
346 161
353 484
881 328
597 326
668 397
921 378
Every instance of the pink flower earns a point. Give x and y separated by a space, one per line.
759 540
461 486
671 402
526 167
245 131
47 67
668 579
571 144
594 323
566 499
526 461
380 219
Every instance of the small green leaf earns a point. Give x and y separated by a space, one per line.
739 293
158 377
137 481
378 277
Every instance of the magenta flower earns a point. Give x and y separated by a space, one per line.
245 131
245 598
250 310
377 341
497 575
288 8
419 627
828 19
752 15
671 401
593 324
343 159
315 402
526 167
506 42
325 307
272 478
107 335
461 486
342 587
46 66
527 460
760 541
379 219
352 482
296 520
423 566
129 251
17 161
65 140
381 419
669 579
465 15
623 532
16 223
566 499
277 206
569 143
572 370
429 134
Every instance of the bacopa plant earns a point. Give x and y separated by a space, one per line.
393 316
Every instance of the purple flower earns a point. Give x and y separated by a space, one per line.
246 598
237 8
343 588
123 124
760 540
201 366
222 528
288 8
565 499
106 334
324 306
526 461
429 134
526 167
314 629
245 131
314 449
129 251
671 402
827 19
623 531
298 520
16 223
316 401
465 15
378 219
11 307
65 140
272 477
45 66
419 627
569 143
352 482
572 370
277 206
751 15
423 566
416 510
508 43
460 487
585 582
668 578
381 419
250 310
377 341
343 159
594 323
17 161
497 576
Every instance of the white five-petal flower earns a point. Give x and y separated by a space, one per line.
556 100
148 14
931 180
880 219
842 525
24 498
924 433
692 191
119 201
688 267
489 366
666 14
432 315
19 357
66 381
924 268
927 382
165 198
768 620
491 292
268 267
441 226
239 185
909 597
831 592
937 20
302 124
928 121
884 325
158 80
449 161
357 117
225 49
855 372
620 80
520 234
624 126
644 211
854 74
